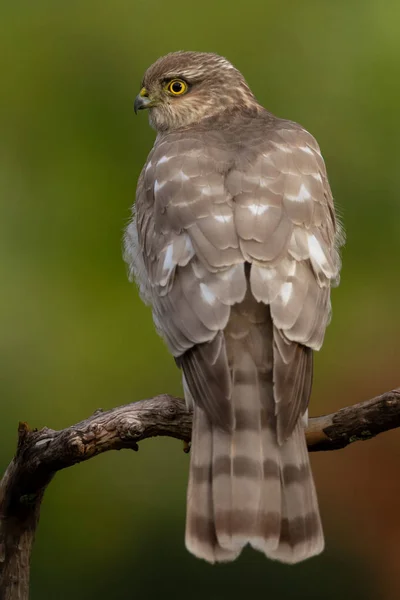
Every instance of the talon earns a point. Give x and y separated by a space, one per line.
186 446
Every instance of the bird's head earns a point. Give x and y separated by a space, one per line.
183 88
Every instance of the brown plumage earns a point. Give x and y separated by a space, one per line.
234 245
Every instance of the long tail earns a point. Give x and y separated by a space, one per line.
244 487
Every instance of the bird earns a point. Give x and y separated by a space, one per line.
234 242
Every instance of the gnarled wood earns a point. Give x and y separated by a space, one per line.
40 454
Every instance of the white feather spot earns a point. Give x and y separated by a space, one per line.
316 252
306 149
258 209
267 274
303 195
207 191
189 246
265 182
317 176
207 295
286 292
169 262
283 147
227 274
223 218
181 176
292 268
212 190
158 185
149 165
186 253
164 159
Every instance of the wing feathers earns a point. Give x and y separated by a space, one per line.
235 246
205 367
293 369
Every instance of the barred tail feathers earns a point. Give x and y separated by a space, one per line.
245 487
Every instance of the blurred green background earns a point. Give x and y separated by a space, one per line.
74 335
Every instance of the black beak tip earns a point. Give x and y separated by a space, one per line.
140 103
136 105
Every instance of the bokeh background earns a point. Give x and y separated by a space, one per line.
74 335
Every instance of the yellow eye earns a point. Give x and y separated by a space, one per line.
177 87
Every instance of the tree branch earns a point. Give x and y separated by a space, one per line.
40 454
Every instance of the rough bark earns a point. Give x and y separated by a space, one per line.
40 454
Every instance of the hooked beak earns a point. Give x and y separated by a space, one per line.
142 100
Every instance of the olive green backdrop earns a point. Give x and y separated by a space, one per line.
75 337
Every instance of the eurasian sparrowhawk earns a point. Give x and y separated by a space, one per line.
234 244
